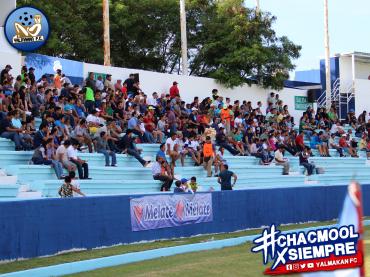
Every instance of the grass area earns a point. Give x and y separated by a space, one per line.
122 249
230 261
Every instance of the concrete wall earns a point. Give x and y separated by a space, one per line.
42 227
191 86
362 90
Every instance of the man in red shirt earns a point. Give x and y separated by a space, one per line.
299 141
174 90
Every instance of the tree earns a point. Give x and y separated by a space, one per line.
240 46
226 40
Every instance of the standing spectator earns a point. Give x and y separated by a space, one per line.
82 166
303 160
208 156
102 147
160 173
67 189
99 83
130 83
5 73
171 120
89 98
58 80
224 178
226 118
108 84
174 90
281 161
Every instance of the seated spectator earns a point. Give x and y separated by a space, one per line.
67 189
40 157
347 148
172 148
221 140
224 178
368 149
334 145
103 148
126 144
303 160
9 132
193 184
82 135
178 187
281 161
315 143
61 156
82 165
337 129
185 186
162 173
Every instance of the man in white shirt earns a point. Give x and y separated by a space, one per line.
160 174
152 101
337 129
172 149
82 166
99 83
281 161
61 156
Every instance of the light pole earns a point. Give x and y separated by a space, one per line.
327 55
258 6
184 43
106 35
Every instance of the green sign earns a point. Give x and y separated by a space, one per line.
96 75
301 103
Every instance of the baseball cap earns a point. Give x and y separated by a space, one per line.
175 83
184 180
8 66
225 106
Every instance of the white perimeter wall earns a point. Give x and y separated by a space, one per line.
191 86
8 55
362 101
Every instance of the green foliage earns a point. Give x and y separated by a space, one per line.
226 40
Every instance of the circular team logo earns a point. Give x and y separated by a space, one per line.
26 28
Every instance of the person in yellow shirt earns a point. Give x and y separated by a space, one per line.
193 184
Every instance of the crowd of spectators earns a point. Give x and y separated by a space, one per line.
110 117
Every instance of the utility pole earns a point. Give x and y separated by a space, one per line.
184 43
327 55
258 6
106 35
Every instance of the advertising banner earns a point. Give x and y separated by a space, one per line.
154 212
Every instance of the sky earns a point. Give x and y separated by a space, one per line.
302 21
